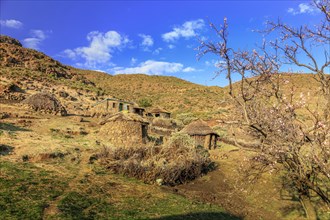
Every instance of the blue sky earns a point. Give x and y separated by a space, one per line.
151 37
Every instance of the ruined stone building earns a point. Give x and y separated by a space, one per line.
110 106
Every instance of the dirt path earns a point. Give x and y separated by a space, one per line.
226 188
83 169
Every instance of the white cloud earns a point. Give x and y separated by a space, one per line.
152 67
171 46
37 36
303 8
11 23
70 54
100 48
102 71
157 51
133 61
189 69
186 30
147 41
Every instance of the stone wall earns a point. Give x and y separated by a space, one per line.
199 139
124 133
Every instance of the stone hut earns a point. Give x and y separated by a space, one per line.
45 102
203 134
110 106
125 129
159 112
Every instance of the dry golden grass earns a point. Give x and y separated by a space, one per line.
54 151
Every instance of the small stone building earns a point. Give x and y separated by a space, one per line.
159 112
111 106
203 134
46 103
124 129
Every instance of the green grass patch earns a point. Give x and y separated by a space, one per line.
25 190
82 207
169 207
11 127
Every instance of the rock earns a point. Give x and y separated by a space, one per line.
4 115
159 182
63 94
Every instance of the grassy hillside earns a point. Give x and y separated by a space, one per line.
170 93
173 94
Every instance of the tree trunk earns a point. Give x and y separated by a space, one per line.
308 208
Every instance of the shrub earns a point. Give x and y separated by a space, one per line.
167 123
175 163
181 140
145 102
186 118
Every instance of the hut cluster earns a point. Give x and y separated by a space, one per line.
127 124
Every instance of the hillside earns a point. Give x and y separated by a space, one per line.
176 95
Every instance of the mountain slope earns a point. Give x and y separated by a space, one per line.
176 95
170 93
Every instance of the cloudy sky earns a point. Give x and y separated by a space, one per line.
151 37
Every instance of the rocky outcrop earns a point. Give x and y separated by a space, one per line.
9 40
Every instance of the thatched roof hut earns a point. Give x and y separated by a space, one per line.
159 112
198 127
125 129
45 102
203 134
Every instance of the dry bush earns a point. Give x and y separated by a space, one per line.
162 122
175 163
166 123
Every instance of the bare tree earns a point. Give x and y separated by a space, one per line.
294 135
